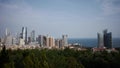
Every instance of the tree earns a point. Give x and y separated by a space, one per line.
4 57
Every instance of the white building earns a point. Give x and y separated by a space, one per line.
21 41
100 40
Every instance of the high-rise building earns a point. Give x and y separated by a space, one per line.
61 43
64 38
100 40
44 41
0 39
57 42
21 41
33 36
29 40
47 41
6 32
107 39
17 38
14 41
24 34
8 40
40 40
51 42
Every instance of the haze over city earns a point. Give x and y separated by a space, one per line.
59 34
77 18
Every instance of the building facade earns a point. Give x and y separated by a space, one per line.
33 36
24 34
105 39
108 40
100 40
64 40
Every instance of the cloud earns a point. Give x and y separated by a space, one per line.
8 6
110 7
13 8
51 17
14 5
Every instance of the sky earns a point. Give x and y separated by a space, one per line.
76 18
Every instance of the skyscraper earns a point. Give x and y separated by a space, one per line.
58 43
40 40
51 42
33 36
100 40
44 41
0 39
17 38
64 40
8 40
6 32
29 40
107 39
47 41
24 34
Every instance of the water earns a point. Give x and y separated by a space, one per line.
92 42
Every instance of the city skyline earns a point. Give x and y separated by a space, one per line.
76 18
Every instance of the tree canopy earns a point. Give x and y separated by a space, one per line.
67 58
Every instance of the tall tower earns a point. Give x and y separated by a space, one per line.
58 43
64 38
107 39
24 34
33 36
40 40
100 40
51 42
8 38
6 32
47 41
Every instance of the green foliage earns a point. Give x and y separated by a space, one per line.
4 57
54 58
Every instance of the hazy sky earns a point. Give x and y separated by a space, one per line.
77 18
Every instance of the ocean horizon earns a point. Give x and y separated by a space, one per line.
92 42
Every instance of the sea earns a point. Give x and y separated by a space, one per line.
92 42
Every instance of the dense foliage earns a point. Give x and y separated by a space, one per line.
54 58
